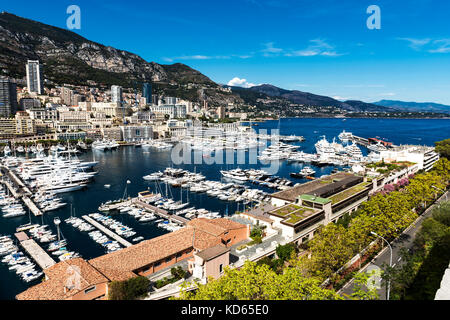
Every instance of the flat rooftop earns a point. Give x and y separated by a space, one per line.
293 213
311 187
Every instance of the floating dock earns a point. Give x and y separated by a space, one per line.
30 204
160 212
107 231
35 251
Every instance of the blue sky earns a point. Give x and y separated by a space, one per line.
323 47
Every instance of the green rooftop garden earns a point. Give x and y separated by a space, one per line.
349 192
294 213
311 198
286 210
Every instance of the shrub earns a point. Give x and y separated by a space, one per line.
129 289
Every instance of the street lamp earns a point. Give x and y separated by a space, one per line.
390 262
440 190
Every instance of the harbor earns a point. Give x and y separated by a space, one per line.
132 164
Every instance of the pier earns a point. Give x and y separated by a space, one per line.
33 208
106 231
35 251
360 140
160 212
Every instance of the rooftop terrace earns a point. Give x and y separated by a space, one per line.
293 214
311 187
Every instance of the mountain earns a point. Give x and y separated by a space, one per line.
69 58
310 99
414 106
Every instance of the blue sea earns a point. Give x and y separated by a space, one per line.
129 163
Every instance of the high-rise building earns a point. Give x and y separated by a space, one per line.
170 100
154 99
116 93
147 92
221 112
66 96
8 98
35 81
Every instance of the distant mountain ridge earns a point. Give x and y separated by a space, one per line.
307 98
69 58
414 106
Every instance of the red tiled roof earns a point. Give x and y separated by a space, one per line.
65 279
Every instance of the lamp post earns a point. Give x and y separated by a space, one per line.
446 195
390 262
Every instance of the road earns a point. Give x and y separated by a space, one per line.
405 240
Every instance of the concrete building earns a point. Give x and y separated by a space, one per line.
8 98
136 133
35 82
147 92
174 111
300 210
111 109
30 104
112 133
116 94
424 156
221 112
210 262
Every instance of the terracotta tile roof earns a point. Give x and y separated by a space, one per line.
212 252
120 265
59 286
215 227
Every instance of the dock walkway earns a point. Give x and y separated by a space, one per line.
33 208
106 231
37 253
160 212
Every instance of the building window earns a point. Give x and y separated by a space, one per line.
89 290
221 268
157 264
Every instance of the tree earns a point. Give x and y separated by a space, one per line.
330 249
285 252
443 148
259 282
129 289
364 288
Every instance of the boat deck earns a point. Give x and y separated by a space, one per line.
107 231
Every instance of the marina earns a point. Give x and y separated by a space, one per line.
132 164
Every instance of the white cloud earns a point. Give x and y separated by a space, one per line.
443 46
318 47
269 48
416 44
238 82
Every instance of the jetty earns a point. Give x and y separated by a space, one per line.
35 251
359 140
32 206
20 190
107 231
160 212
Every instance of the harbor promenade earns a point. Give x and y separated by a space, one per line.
108 232
35 251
